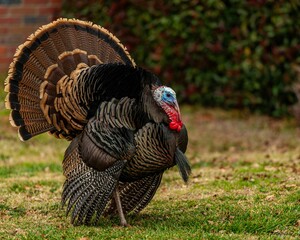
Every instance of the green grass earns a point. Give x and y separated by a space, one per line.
245 185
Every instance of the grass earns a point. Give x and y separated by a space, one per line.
245 185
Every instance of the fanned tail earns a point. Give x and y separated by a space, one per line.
44 68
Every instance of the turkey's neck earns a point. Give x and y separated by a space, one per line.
151 108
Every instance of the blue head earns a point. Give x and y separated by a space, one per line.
166 98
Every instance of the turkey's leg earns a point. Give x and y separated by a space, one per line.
119 207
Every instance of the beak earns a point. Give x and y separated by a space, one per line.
176 107
175 117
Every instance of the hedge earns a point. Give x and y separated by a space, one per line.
230 54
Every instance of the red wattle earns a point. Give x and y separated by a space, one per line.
175 126
174 116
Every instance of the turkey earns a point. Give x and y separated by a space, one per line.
75 80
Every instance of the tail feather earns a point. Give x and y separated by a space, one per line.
28 131
68 37
38 127
68 64
16 103
81 57
35 67
30 82
21 109
55 51
58 39
19 118
48 46
21 89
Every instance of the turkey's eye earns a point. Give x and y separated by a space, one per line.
168 95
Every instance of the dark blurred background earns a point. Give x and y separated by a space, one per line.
216 53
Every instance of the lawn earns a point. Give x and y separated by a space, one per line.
245 184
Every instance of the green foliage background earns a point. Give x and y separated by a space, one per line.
230 54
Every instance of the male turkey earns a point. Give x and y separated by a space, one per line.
76 80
